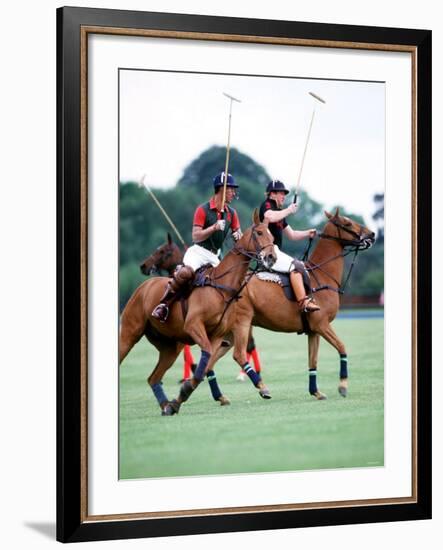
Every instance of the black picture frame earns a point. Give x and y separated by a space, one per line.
72 520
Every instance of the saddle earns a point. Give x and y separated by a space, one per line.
282 279
201 278
180 286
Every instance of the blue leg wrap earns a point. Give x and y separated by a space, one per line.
343 365
215 390
313 381
254 377
159 393
201 367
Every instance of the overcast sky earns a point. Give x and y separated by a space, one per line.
168 119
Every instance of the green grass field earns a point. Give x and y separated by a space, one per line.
292 431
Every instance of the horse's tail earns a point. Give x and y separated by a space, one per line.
134 317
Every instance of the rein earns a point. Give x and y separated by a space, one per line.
307 249
235 293
239 251
340 289
356 244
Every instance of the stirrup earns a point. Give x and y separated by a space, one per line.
161 313
308 305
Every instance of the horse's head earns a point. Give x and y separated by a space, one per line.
257 242
166 257
348 232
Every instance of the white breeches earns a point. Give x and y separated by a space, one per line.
196 256
284 263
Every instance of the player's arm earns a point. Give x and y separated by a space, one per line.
295 235
235 227
274 216
198 233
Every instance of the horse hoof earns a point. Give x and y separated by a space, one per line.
320 396
265 393
223 400
343 391
171 408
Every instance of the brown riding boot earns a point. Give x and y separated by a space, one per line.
161 312
306 303
183 277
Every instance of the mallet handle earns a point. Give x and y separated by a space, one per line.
304 155
227 153
162 210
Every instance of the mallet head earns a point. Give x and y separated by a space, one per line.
317 97
232 97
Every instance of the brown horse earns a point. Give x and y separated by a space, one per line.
166 257
264 304
208 319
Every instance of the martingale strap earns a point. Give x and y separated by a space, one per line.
340 288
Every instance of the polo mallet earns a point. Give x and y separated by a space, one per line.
231 98
318 98
142 183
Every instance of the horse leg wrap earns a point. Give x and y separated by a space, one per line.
253 376
213 384
203 363
185 391
159 393
313 381
343 366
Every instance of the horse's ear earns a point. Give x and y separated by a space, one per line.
169 238
330 216
256 217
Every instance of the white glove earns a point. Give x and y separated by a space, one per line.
220 225
236 235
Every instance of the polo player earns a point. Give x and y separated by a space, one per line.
211 226
272 210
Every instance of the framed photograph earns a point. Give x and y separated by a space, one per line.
244 274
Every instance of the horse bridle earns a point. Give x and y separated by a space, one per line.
357 241
258 250
250 255
163 256
236 293
354 245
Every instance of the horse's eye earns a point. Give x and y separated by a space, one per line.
259 233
